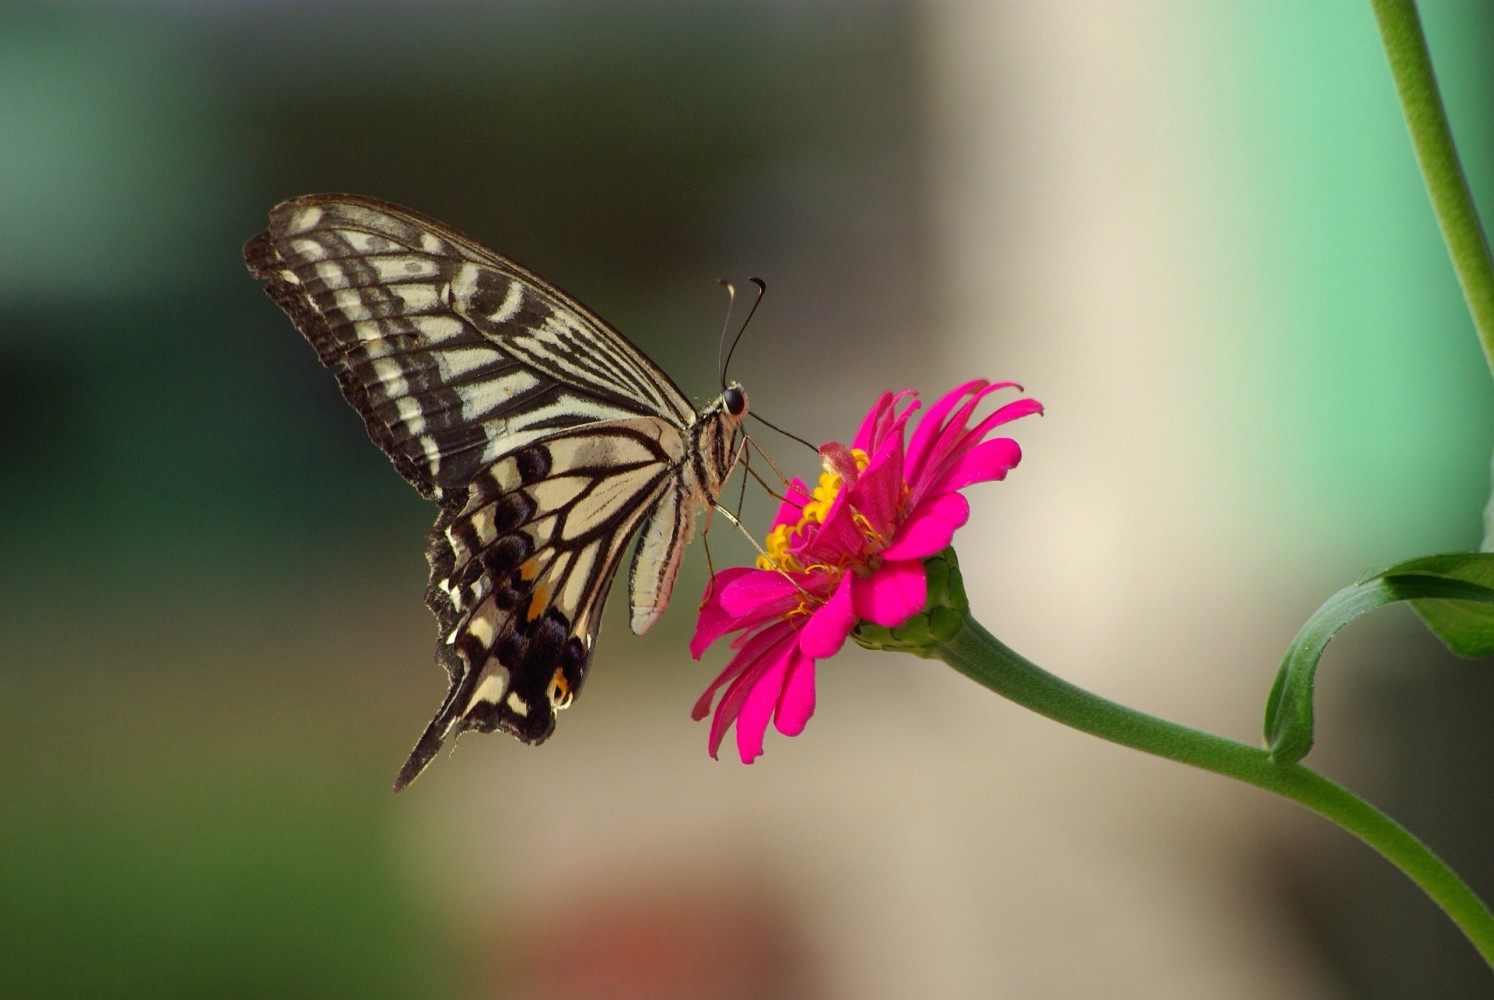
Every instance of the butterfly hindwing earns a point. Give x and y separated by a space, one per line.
545 437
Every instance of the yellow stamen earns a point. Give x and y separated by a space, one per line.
778 554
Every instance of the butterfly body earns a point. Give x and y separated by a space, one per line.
545 437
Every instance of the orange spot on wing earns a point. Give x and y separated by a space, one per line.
538 602
560 690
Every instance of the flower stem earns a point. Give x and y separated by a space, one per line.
1421 103
983 658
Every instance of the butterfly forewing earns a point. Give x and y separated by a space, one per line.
546 438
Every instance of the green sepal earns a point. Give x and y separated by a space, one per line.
941 619
1453 594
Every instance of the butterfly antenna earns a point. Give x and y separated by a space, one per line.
722 366
731 298
762 289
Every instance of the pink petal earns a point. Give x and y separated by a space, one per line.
891 595
956 441
878 494
986 462
884 420
1014 410
728 710
744 672
749 592
765 615
712 624
827 628
796 703
702 706
721 580
894 430
757 707
868 429
930 527
838 539
932 424
714 621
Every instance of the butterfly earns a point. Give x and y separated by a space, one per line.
545 437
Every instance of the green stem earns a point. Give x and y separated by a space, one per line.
983 658
1411 66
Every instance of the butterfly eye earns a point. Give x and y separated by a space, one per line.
735 400
559 691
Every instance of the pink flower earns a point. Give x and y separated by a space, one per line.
850 550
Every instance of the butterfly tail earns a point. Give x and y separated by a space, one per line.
425 750
443 725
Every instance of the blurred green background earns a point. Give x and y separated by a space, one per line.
214 650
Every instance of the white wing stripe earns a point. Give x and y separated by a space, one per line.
483 398
458 362
404 267
611 498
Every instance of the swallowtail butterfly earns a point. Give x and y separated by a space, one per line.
545 437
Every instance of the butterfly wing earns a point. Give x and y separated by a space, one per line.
543 434
519 574
451 353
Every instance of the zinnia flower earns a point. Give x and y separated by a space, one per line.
850 550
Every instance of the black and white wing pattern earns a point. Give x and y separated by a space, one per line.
545 437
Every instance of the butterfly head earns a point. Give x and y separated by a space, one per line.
718 438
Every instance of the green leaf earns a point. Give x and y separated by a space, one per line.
1289 707
1465 626
1453 593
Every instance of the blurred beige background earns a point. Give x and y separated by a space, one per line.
1195 231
